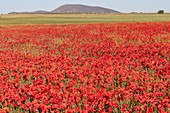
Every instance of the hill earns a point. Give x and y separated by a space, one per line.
78 8
34 12
72 8
41 12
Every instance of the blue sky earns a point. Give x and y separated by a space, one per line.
7 6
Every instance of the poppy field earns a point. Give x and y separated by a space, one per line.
85 68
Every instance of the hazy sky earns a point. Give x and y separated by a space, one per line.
7 6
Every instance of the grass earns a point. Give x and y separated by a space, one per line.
28 19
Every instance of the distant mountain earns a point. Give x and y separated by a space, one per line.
19 12
72 8
78 8
41 12
34 12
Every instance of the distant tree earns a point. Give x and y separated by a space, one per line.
161 12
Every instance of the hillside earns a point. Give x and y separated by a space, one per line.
72 8
78 8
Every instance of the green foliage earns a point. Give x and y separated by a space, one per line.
161 12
